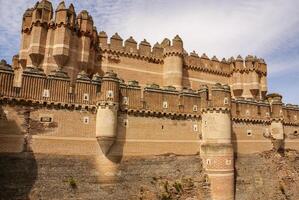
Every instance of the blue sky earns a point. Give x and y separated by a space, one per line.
268 29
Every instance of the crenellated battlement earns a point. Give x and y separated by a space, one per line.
143 50
130 97
64 41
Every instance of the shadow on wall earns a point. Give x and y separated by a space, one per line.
235 149
18 170
186 82
9 126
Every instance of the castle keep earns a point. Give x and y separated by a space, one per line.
71 90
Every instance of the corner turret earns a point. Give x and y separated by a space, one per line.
275 101
41 15
106 122
62 36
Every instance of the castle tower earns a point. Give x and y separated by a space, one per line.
41 16
253 80
237 81
263 83
64 18
216 148
106 123
173 62
26 36
276 127
85 23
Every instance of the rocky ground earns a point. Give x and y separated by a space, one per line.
28 176
268 175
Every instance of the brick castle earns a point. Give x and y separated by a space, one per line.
73 91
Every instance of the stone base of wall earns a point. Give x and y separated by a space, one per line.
251 146
45 176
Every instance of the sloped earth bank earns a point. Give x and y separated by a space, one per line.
39 176
267 175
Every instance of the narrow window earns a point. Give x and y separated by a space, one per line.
86 97
208 161
86 120
228 161
126 122
109 94
126 100
195 108
70 90
46 93
195 127
225 101
165 104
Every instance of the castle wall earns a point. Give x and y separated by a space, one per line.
195 78
129 68
292 136
146 135
249 137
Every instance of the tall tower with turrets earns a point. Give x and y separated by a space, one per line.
216 148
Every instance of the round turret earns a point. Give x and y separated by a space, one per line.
106 121
43 11
173 63
62 36
85 22
277 129
110 88
216 148
220 96
204 96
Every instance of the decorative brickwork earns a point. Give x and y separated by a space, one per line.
71 91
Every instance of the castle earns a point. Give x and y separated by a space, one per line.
73 91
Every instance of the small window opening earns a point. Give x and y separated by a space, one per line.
208 161
125 100
86 120
46 119
195 128
195 108
165 104
86 97
228 162
225 101
249 133
109 94
46 93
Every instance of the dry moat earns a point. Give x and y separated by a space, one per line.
266 175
